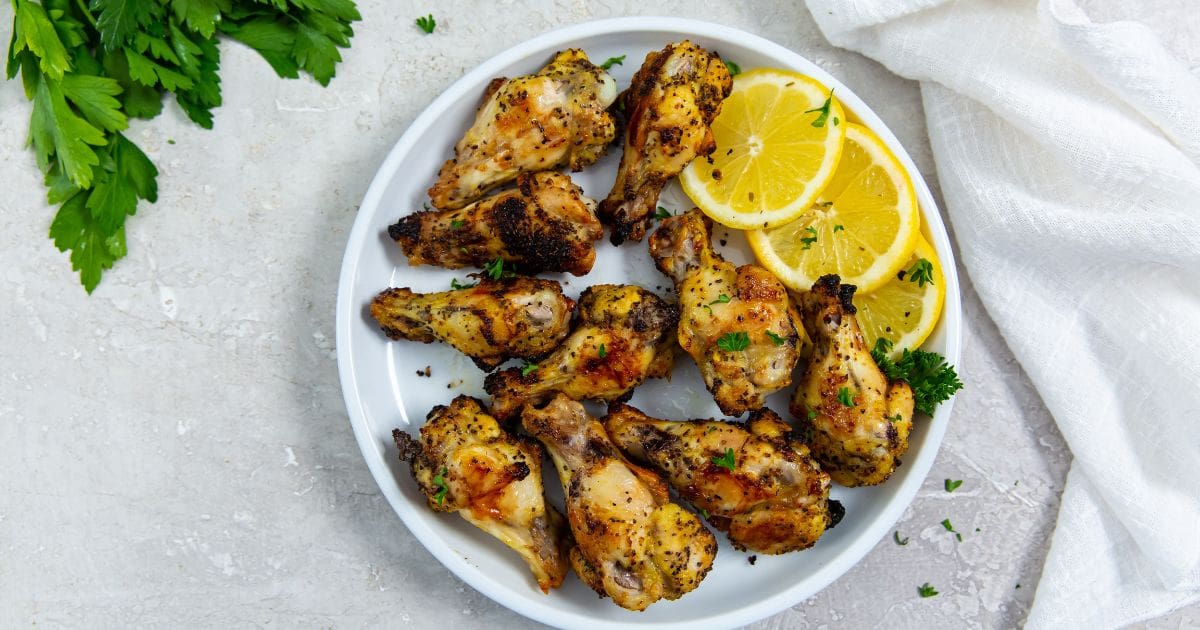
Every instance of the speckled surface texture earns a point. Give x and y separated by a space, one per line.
174 450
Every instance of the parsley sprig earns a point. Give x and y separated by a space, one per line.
733 68
726 460
427 23
734 341
808 241
921 272
613 61
88 67
439 481
823 111
925 590
933 381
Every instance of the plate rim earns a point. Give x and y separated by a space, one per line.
358 238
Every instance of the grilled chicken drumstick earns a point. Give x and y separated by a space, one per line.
670 104
466 463
859 422
533 123
632 543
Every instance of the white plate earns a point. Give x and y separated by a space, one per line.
383 391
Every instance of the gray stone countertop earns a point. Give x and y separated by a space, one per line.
174 449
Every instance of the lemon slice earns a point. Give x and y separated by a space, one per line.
905 309
863 226
779 135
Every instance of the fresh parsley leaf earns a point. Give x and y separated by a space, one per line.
427 23
925 590
726 460
734 69
496 271
953 484
921 272
439 481
846 397
950 528
899 541
602 351
808 241
823 110
528 367
33 31
734 341
613 61
93 249
662 213
776 339
456 285
457 223
932 380
55 130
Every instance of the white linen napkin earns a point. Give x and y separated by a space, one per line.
1068 152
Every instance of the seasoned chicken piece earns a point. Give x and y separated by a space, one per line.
466 463
625 335
533 123
632 543
859 423
545 224
760 485
737 323
670 104
491 322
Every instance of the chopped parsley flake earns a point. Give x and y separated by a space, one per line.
734 69
953 484
456 285
925 590
613 61
602 351
899 541
427 23
734 341
809 240
823 111
528 367
845 397
726 460
921 272
776 339
439 480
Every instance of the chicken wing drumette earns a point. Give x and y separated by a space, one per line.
760 485
737 323
670 104
858 421
540 122
466 463
632 543
491 322
544 224
625 335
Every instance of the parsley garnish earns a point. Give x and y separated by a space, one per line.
439 480
456 285
953 484
427 23
812 414
495 270
734 341
824 111
528 367
613 61
721 299
602 351
838 228
734 69
896 535
809 240
726 460
933 381
845 397
90 66
457 223
776 339
662 213
950 528
921 272
925 590
836 121
704 512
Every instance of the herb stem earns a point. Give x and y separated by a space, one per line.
87 14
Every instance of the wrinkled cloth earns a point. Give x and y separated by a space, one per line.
1067 146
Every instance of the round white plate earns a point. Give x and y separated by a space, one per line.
383 391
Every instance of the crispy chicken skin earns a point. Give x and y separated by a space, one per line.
858 445
625 335
669 106
544 224
540 122
632 543
491 322
716 299
774 500
491 478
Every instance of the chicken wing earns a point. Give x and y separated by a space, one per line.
466 463
491 322
632 543
545 224
625 335
532 123
858 421
670 104
760 485
737 323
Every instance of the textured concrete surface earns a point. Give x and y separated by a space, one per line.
174 449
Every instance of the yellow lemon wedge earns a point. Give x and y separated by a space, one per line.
863 226
906 308
778 136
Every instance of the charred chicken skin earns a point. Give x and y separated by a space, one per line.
466 463
625 335
491 322
632 543
738 324
544 224
858 421
756 482
540 122
669 106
